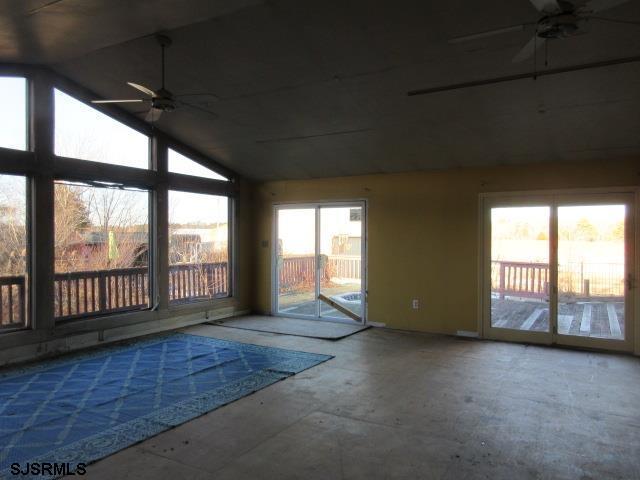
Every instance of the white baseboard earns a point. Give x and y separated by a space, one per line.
377 324
467 333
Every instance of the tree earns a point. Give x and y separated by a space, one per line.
98 228
617 232
71 217
585 231
13 232
118 217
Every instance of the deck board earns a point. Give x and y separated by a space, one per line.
564 323
531 319
585 324
614 325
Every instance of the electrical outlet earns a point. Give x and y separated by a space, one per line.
415 304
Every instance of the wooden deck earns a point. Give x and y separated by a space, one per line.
601 319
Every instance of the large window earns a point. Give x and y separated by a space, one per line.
85 133
13 113
101 249
178 163
98 201
198 246
13 252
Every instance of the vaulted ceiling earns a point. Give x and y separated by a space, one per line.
318 88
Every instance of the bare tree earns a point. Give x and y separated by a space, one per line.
99 228
13 233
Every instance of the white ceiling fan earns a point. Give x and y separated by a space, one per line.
162 100
560 19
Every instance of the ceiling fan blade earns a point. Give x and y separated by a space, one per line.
196 107
547 6
488 33
132 100
595 6
529 49
153 115
613 20
208 97
142 88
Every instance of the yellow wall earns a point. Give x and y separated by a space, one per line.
422 232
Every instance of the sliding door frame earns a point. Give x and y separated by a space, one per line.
487 331
275 279
554 199
619 198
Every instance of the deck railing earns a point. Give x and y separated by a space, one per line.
205 280
520 279
12 301
578 279
78 294
101 291
345 267
299 271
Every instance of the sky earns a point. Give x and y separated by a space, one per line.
296 228
13 119
85 133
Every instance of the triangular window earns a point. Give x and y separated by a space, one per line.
178 163
84 133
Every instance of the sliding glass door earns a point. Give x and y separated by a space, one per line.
559 269
520 268
296 261
319 261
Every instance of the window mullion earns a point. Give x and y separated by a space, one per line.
188 183
42 223
74 169
160 251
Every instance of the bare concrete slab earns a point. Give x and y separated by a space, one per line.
395 405
293 326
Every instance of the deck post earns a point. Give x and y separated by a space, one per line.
102 291
502 280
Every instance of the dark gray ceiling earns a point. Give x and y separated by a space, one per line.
318 88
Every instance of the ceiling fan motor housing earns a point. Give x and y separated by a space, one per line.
166 104
163 100
558 26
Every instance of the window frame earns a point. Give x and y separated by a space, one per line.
231 229
28 270
42 168
27 97
112 114
152 280
22 163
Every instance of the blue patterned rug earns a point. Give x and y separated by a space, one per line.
83 407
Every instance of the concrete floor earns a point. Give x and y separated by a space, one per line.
399 405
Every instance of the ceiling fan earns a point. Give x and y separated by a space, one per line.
162 100
560 19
